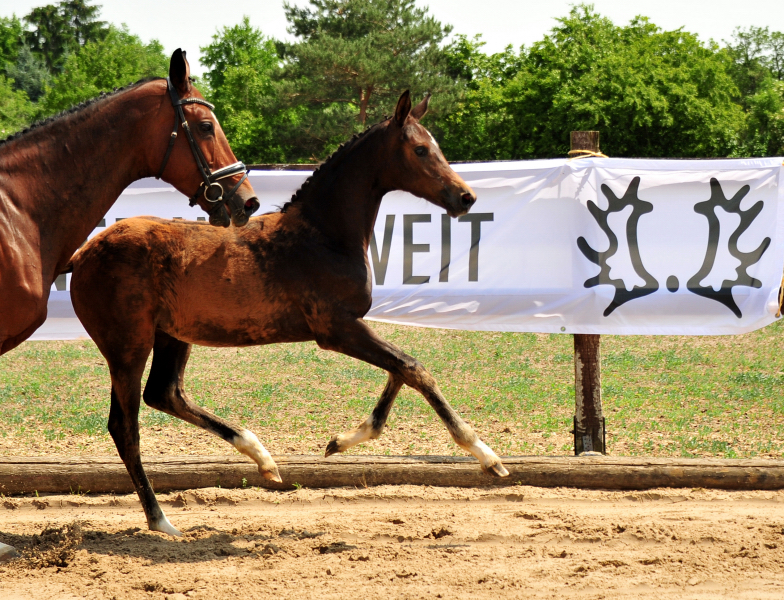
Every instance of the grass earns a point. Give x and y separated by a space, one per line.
663 396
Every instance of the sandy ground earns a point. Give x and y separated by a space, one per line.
400 542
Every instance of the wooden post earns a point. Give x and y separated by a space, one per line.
589 435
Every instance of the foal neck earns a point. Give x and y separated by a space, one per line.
342 197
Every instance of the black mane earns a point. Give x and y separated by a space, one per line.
74 109
332 161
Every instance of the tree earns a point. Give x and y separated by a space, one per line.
242 63
11 39
757 66
478 127
16 110
62 29
757 54
118 59
29 73
352 61
650 93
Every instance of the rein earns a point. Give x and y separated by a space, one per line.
212 190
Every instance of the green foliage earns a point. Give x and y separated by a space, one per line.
650 93
478 127
16 110
242 64
352 61
11 39
62 29
757 56
117 60
29 74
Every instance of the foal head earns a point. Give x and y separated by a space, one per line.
416 164
183 165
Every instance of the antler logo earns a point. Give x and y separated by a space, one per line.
639 208
708 209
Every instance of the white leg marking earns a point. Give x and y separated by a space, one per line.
164 526
7 553
363 433
488 459
248 444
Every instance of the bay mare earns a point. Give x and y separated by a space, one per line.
58 179
301 274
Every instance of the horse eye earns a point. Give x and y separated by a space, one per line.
420 150
205 126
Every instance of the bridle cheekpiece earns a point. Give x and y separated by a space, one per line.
212 190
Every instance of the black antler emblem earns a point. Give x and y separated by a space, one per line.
639 208
707 209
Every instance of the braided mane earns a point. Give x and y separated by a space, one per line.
74 109
332 161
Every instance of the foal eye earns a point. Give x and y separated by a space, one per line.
420 150
206 126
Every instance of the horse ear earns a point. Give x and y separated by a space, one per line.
403 108
180 72
420 109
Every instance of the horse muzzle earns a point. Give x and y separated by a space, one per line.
459 202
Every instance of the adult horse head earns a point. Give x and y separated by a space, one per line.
149 285
190 160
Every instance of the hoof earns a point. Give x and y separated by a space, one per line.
165 527
272 475
497 470
332 447
7 553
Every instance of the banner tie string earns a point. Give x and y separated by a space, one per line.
585 154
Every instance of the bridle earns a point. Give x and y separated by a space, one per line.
212 190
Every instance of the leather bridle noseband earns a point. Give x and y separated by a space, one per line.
213 191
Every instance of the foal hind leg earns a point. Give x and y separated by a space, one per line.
372 427
358 340
165 392
124 429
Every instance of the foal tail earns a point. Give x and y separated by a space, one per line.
68 267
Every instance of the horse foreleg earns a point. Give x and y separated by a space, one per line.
358 340
124 429
165 392
372 427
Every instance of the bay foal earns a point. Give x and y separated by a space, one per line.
300 274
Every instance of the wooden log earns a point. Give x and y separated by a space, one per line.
27 475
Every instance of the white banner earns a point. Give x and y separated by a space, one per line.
611 246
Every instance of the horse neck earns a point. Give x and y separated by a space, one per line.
344 200
69 172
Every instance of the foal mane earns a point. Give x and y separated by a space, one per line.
332 162
74 109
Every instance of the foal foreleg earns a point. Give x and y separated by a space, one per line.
372 427
358 340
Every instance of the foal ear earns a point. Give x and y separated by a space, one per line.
420 109
180 72
403 108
